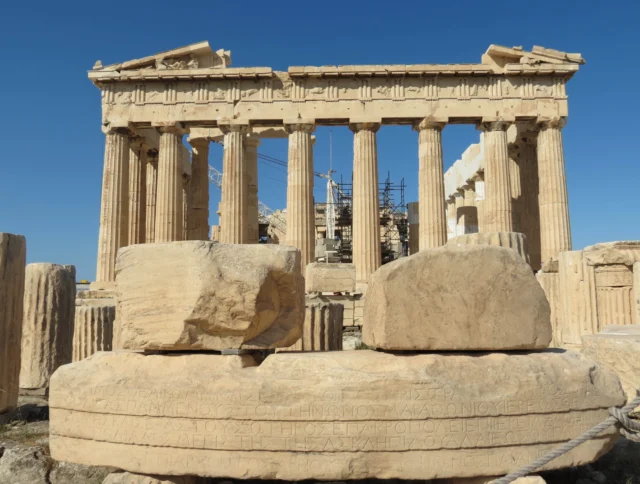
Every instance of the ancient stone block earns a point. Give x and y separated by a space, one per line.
511 240
625 252
328 416
578 308
13 252
322 330
549 283
614 295
47 328
93 327
618 348
323 277
457 298
130 478
205 295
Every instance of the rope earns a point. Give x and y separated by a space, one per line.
629 429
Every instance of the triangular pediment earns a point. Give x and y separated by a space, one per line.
193 56
500 56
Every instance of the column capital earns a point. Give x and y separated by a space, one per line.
152 155
305 125
123 130
170 127
557 122
137 141
252 140
494 125
198 142
356 126
431 122
232 126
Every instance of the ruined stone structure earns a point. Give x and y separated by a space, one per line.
591 289
322 327
93 327
13 253
193 89
47 325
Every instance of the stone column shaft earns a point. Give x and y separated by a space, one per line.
114 207
555 228
47 325
459 204
13 254
300 211
497 204
169 210
433 223
366 209
93 327
233 205
186 206
137 191
251 155
199 214
152 187
452 218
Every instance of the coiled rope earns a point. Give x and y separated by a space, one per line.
628 427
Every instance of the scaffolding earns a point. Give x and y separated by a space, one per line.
394 240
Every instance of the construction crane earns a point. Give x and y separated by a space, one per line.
265 214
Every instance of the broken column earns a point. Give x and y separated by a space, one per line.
322 329
93 327
47 325
511 240
13 252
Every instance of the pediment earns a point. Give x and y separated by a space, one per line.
193 56
500 56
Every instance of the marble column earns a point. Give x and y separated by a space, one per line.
366 210
478 180
233 207
452 218
114 206
497 205
469 212
169 211
251 144
186 205
300 210
555 229
433 223
137 190
199 214
152 188
459 204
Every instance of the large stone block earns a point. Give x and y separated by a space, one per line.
210 296
511 240
47 325
328 416
93 327
13 253
129 478
323 277
625 252
618 348
457 298
322 330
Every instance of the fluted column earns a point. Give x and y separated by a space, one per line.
497 205
169 210
366 210
114 207
251 144
152 188
555 228
186 205
199 214
137 190
469 212
433 223
452 218
233 208
478 180
459 204
300 211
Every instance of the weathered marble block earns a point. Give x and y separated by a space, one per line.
323 277
209 296
456 298
93 327
13 253
47 325
618 348
328 416
322 329
511 240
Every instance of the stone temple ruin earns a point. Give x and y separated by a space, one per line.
490 345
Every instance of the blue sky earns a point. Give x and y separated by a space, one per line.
52 145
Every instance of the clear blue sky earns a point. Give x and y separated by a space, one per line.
52 146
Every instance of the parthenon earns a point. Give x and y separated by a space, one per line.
194 90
